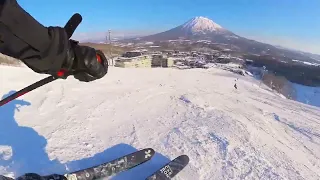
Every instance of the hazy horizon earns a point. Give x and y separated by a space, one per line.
285 23
119 34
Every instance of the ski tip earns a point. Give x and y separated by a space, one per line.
171 169
185 158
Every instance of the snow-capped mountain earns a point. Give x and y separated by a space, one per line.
201 25
196 28
202 28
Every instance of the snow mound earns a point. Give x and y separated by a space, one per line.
201 25
244 133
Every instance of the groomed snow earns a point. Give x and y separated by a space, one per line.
248 133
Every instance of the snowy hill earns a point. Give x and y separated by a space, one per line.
248 133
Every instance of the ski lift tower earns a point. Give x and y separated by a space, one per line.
110 54
109 36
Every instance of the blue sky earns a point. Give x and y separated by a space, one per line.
291 23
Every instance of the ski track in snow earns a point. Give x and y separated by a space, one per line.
249 133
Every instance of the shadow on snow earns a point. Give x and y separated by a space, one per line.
28 152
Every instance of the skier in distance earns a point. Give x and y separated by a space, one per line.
46 50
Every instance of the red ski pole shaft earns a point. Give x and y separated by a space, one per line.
27 89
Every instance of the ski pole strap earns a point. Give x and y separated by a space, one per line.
27 89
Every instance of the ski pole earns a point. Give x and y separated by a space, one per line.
27 89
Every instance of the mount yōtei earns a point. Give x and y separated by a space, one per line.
202 28
196 28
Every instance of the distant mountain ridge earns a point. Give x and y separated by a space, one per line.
196 28
202 28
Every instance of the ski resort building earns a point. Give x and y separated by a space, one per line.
134 59
159 60
135 62
138 59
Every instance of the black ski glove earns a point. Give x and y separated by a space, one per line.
89 64
46 50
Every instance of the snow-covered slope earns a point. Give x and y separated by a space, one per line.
248 133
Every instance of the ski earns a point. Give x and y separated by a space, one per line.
171 169
113 167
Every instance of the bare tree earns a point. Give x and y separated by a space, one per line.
280 84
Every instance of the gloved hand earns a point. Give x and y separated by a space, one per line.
88 64
47 49
83 62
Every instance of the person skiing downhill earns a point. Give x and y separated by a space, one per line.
46 50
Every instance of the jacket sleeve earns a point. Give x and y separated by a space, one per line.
43 49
